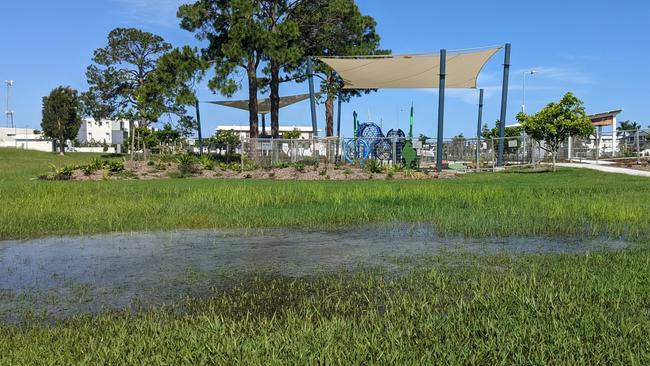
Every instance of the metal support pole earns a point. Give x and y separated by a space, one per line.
504 105
441 108
338 121
638 148
312 96
263 124
570 150
478 130
198 125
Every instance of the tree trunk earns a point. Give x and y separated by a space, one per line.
554 159
329 106
61 146
253 119
143 124
275 99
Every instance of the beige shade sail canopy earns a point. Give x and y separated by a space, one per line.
263 105
410 71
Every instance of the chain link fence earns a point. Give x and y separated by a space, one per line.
458 153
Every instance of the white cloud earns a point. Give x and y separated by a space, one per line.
154 12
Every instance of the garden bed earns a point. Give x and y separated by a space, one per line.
190 167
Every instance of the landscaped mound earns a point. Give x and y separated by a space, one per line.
189 166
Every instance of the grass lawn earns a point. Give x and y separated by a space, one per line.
569 202
453 309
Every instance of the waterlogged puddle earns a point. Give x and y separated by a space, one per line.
59 277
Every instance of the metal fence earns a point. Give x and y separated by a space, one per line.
459 153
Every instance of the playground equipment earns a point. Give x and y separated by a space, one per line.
369 142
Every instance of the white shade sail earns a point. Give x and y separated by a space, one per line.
410 71
263 105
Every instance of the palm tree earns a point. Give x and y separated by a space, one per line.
626 126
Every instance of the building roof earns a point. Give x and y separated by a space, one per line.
246 128
609 114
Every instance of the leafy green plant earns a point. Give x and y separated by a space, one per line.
186 164
389 175
207 163
281 165
322 172
347 171
299 167
374 166
115 166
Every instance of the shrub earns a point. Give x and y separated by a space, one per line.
389 176
186 163
322 172
299 167
207 163
63 173
282 165
308 161
115 166
374 167
347 172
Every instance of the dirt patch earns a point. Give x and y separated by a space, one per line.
632 163
141 170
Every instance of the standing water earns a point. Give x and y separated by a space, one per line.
62 276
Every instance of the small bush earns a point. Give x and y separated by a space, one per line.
308 161
178 175
186 164
347 172
282 165
63 173
322 172
299 167
150 163
207 163
374 167
389 176
115 166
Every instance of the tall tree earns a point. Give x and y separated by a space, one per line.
236 35
122 71
336 28
556 122
174 82
284 49
61 120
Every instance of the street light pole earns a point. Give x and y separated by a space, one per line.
523 103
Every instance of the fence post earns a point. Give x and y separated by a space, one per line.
570 152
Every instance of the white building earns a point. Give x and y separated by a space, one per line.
24 138
105 131
306 133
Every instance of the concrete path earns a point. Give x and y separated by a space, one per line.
607 169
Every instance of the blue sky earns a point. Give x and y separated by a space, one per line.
597 49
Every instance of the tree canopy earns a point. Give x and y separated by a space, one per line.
61 120
556 122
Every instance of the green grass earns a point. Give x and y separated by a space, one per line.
530 310
569 202
450 309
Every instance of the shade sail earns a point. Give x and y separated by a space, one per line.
263 105
410 71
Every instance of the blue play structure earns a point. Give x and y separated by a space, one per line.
370 142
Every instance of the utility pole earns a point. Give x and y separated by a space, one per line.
8 112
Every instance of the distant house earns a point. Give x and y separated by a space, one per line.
25 138
306 133
106 131
629 139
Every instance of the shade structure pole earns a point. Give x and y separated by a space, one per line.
338 121
312 96
504 105
263 124
441 108
198 125
478 130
